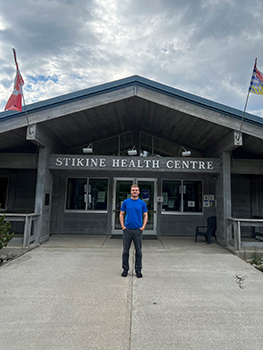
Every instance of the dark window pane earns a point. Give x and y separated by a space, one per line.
3 192
76 194
192 196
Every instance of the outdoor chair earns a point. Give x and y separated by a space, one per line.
207 231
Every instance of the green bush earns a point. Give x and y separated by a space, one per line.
5 235
256 257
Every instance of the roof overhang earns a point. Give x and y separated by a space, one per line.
134 103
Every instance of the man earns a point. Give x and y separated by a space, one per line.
135 221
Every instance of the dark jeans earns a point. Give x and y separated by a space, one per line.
128 237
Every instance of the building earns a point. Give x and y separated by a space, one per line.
67 168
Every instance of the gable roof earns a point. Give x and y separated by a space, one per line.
140 81
124 105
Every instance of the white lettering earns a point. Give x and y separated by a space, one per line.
80 161
124 163
177 164
66 161
102 162
201 165
94 162
147 162
58 162
210 165
139 164
115 163
132 164
73 162
156 164
169 164
194 163
185 164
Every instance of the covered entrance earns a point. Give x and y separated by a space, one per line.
121 191
69 163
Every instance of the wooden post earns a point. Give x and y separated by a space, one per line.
44 186
223 193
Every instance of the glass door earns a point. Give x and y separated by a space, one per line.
121 191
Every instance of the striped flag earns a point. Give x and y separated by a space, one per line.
256 84
15 101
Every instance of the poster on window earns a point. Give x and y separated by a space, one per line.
165 198
171 204
101 197
145 195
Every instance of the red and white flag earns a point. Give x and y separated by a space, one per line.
15 101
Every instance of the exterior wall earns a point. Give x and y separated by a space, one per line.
241 200
247 200
176 224
184 224
66 222
21 193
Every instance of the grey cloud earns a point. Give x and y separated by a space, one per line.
206 47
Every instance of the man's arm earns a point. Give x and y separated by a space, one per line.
145 219
121 218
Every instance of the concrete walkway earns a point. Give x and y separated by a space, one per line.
68 294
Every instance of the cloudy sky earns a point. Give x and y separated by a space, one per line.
205 47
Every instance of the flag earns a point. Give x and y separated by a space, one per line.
15 101
256 84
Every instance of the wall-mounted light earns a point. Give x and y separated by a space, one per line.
132 152
88 149
184 153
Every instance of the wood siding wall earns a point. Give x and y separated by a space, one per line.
21 193
66 222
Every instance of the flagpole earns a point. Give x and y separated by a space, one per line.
244 112
245 108
29 129
23 97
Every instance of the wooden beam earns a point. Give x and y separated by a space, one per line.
18 161
40 136
223 194
53 112
226 144
247 166
199 111
43 189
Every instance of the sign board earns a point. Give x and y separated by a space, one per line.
165 164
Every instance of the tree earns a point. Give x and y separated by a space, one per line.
5 235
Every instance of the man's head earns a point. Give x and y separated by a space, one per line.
135 191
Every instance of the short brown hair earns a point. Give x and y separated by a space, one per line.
134 185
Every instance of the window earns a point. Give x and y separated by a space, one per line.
87 194
3 192
182 196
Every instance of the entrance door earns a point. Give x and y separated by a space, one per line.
121 191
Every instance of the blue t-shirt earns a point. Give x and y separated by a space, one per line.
134 208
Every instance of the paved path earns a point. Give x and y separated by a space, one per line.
68 294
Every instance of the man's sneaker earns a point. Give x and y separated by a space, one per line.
124 273
138 274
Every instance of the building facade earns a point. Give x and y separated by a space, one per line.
67 167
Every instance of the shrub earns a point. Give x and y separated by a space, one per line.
5 235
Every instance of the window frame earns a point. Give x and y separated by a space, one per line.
86 211
181 212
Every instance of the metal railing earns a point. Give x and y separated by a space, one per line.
236 224
28 220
